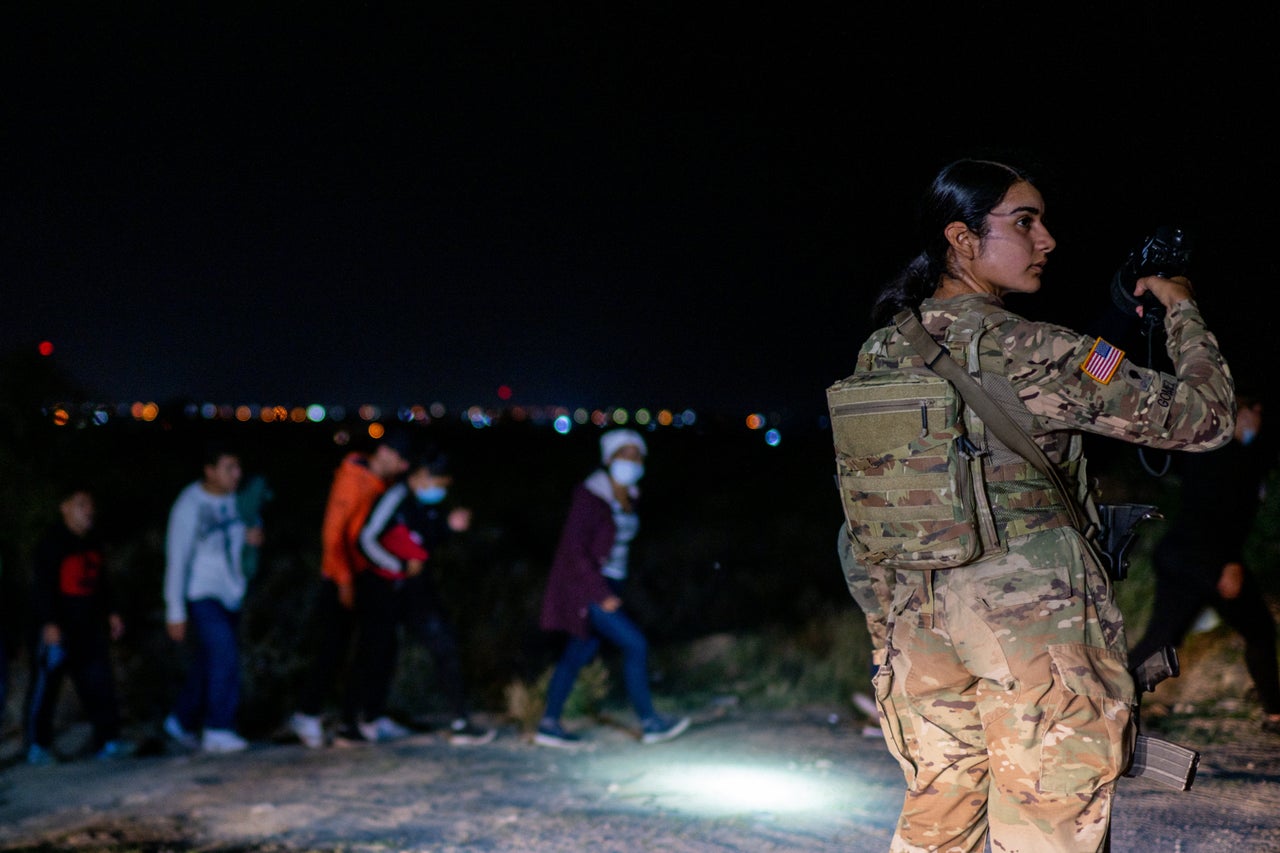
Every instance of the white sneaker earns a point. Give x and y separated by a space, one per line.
179 735
383 729
308 729
222 740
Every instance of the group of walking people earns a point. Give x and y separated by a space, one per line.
386 515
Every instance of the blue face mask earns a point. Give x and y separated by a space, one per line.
1247 436
431 494
626 472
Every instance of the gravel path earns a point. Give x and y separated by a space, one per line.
737 781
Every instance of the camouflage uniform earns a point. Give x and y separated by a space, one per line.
1006 698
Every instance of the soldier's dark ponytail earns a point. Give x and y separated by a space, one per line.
964 191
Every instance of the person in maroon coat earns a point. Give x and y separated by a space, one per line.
584 591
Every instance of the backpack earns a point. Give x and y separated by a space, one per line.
905 467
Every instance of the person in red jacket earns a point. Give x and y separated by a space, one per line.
358 483
584 591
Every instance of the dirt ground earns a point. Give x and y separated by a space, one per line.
739 780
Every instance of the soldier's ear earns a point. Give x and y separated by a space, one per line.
962 241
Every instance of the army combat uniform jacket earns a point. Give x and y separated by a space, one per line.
1009 675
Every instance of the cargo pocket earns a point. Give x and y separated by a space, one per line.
1089 733
895 721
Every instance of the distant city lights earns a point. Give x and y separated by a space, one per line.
562 419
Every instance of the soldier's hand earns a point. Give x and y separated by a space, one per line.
1170 291
177 631
347 595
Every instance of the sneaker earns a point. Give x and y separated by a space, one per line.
38 756
222 740
866 705
658 729
464 733
309 730
114 749
179 735
551 733
382 730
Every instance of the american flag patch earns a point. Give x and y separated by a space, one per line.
1102 361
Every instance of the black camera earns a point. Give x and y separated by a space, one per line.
1166 253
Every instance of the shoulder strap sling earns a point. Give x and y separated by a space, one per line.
938 360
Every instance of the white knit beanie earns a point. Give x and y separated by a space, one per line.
616 439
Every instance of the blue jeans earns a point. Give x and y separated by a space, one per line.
623 633
211 694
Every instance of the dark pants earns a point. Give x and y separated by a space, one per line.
378 606
384 605
1183 589
86 659
4 678
337 626
210 696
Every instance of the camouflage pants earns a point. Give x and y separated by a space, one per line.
1007 700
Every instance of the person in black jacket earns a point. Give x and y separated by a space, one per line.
406 527
75 624
1200 562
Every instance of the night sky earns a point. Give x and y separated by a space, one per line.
596 204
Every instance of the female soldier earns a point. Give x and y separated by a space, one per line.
1005 694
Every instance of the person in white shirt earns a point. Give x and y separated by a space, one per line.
204 585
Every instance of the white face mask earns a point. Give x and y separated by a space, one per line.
626 472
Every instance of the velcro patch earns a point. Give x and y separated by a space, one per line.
1102 361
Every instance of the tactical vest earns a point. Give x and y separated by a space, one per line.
989 494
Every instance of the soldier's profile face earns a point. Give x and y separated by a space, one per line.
1016 249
